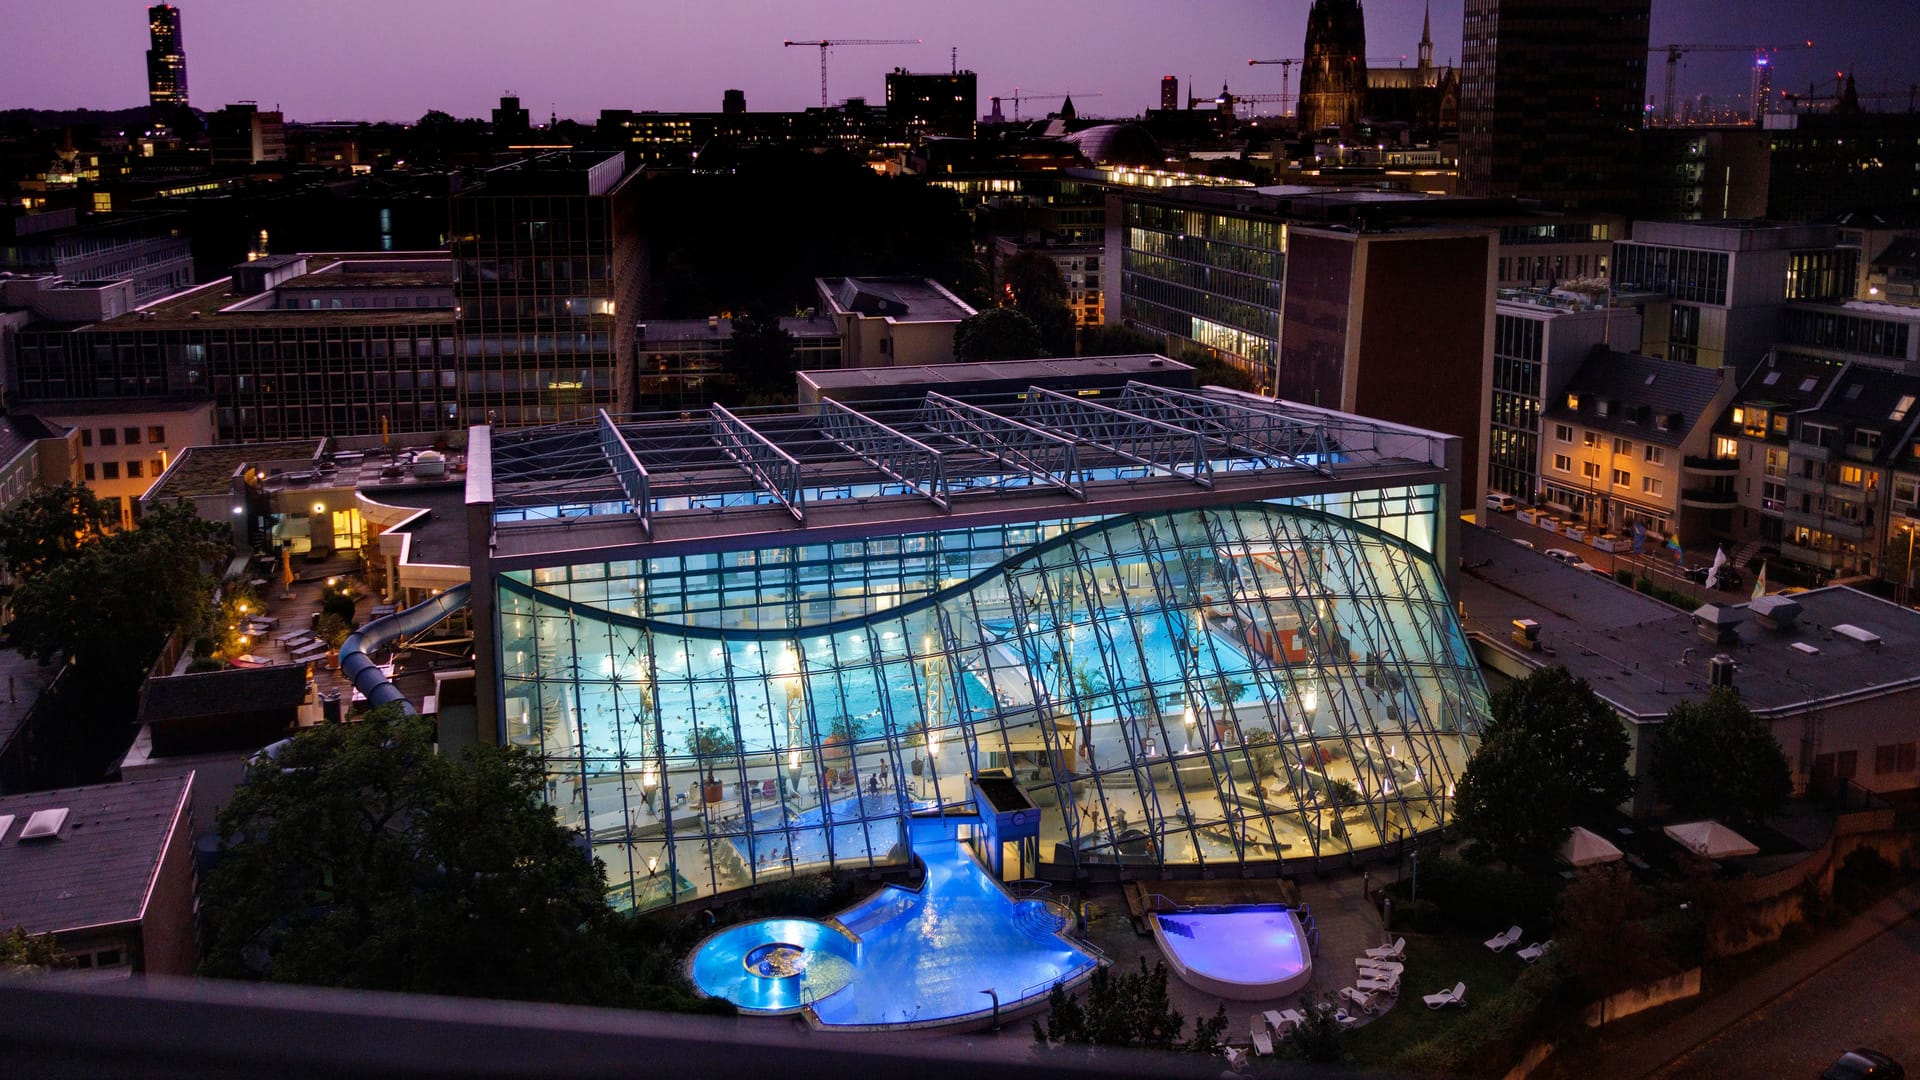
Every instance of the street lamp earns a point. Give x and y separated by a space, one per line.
1907 582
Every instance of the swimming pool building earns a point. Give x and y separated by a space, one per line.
1144 629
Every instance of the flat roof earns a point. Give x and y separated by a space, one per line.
99 869
662 330
201 471
439 538
179 309
1643 655
902 299
961 375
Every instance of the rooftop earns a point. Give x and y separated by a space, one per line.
201 306
633 480
202 471
960 376
99 868
1788 380
1643 396
220 693
440 536
901 299
658 330
1643 655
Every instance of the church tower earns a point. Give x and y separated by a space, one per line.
1426 38
1333 81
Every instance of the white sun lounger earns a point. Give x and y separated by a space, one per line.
1389 952
1383 983
1366 964
1455 996
1276 1021
1359 997
1262 1042
1535 951
1499 942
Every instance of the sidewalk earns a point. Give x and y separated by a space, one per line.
1654 1050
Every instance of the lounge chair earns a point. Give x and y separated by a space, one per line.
1455 996
1276 1021
1535 951
1384 966
1389 986
1359 997
1236 1058
1389 952
1499 942
1262 1042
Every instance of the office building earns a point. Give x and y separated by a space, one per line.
1539 340
1704 174
107 870
1867 332
126 443
1827 164
762 647
166 62
512 122
1728 282
1169 92
152 251
1079 266
244 134
932 103
1615 440
683 363
1333 79
892 321
547 281
1551 99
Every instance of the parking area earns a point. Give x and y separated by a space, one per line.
1654 562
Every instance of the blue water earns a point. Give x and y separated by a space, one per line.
806 837
1254 946
921 956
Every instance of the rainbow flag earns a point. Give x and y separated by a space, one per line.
1673 545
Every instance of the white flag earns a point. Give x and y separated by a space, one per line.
1760 583
1713 572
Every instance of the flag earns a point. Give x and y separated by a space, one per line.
1760 583
1673 545
1713 572
1639 536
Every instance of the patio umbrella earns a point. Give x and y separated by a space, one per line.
1585 848
1711 839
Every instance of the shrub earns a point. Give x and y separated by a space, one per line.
1317 1038
1455 893
201 664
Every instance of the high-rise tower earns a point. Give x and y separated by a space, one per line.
1551 97
166 61
1333 81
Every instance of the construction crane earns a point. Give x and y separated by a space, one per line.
1676 52
829 43
1020 95
1812 98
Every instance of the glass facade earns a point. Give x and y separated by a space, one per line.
1699 277
1513 463
1207 277
1204 687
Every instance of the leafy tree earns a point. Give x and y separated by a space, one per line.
1210 370
1031 282
1714 758
1130 1009
22 952
1116 340
49 526
1553 755
1600 933
761 355
997 334
1317 1037
360 857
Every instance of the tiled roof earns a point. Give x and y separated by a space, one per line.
1641 395
99 867
222 693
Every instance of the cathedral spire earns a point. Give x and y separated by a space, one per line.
1426 37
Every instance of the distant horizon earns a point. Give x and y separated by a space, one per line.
362 61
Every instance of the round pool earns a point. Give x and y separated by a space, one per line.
1240 953
774 965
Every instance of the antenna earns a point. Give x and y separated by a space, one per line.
953 60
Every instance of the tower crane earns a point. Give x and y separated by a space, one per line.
829 43
1676 52
1020 95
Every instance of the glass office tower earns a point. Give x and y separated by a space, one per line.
1235 653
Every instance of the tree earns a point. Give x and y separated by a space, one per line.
1714 758
360 857
1031 282
1116 340
1552 755
22 952
1210 370
1600 934
49 526
1130 1009
761 354
997 334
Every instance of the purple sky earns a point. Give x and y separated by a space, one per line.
395 59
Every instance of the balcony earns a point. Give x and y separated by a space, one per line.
1816 484
1808 451
1837 527
1708 498
1713 465
1825 560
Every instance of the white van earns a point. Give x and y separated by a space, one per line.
1502 502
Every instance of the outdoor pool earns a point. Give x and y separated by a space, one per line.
1241 953
900 956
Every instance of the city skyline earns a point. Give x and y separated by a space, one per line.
319 61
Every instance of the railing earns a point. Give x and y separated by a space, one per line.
1696 463
1708 497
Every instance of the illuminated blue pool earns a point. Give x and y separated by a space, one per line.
1243 953
899 957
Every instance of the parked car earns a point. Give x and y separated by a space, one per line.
1730 576
1862 1064
1528 544
1563 555
1502 502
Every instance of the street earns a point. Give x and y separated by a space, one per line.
1654 562
1870 998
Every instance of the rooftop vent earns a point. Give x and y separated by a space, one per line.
1718 623
1803 647
6 822
1775 612
44 824
1854 633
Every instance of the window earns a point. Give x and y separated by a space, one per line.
1846 764
1590 438
109 437
109 470
86 436
1852 475
1725 448
1623 447
1561 462
134 469
1779 423
87 471
1622 478
156 434
1656 456
1563 433
1590 469
1866 440
1894 758
159 466
133 436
